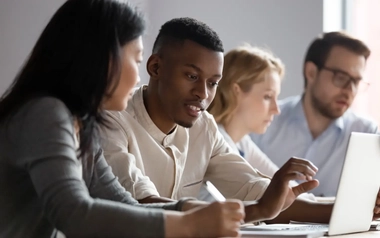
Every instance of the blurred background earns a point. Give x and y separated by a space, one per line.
286 27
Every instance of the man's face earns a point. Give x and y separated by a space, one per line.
186 81
329 99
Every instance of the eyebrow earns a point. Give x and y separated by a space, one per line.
200 70
344 72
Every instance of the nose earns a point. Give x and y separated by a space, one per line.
201 90
276 109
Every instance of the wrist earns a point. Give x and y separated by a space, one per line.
185 204
191 204
188 223
178 224
255 212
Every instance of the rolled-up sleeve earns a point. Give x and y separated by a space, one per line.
115 142
232 175
104 184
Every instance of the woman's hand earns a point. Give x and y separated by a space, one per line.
218 219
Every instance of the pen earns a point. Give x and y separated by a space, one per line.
214 192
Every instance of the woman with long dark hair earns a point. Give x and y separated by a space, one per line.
53 175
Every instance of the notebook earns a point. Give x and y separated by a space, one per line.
356 197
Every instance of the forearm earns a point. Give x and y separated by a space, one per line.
58 183
175 225
125 221
305 210
184 204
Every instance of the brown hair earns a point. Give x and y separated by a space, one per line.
320 48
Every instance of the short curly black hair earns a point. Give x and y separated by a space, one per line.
185 28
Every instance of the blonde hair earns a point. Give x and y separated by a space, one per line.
244 66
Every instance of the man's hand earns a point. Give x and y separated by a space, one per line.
279 195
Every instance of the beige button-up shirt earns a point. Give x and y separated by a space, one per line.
149 162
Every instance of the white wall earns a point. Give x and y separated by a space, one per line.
285 26
21 22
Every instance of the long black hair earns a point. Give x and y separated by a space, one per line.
77 60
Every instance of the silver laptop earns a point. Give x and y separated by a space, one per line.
357 191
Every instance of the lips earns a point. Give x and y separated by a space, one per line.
342 102
194 110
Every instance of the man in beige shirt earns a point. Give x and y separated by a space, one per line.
177 162
165 143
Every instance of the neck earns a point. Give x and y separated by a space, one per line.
235 129
155 110
316 121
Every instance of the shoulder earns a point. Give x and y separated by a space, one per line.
289 102
49 105
288 109
118 116
137 101
43 111
41 127
359 122
121 120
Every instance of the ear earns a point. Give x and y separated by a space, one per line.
153 65
237 90
311 71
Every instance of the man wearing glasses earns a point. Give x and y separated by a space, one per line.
317 124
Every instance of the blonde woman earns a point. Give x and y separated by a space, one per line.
246 102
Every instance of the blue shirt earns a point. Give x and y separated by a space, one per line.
289 135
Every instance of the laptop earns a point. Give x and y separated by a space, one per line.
356 197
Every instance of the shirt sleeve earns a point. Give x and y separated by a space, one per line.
260 161
116 152
44 135
375 129
105 185
232 175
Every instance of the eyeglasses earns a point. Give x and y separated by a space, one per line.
342 79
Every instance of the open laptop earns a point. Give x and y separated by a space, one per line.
358 187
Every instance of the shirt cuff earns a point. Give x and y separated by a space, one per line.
182 201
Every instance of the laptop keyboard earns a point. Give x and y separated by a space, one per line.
309 227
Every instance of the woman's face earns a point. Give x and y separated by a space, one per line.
131 57
257 107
